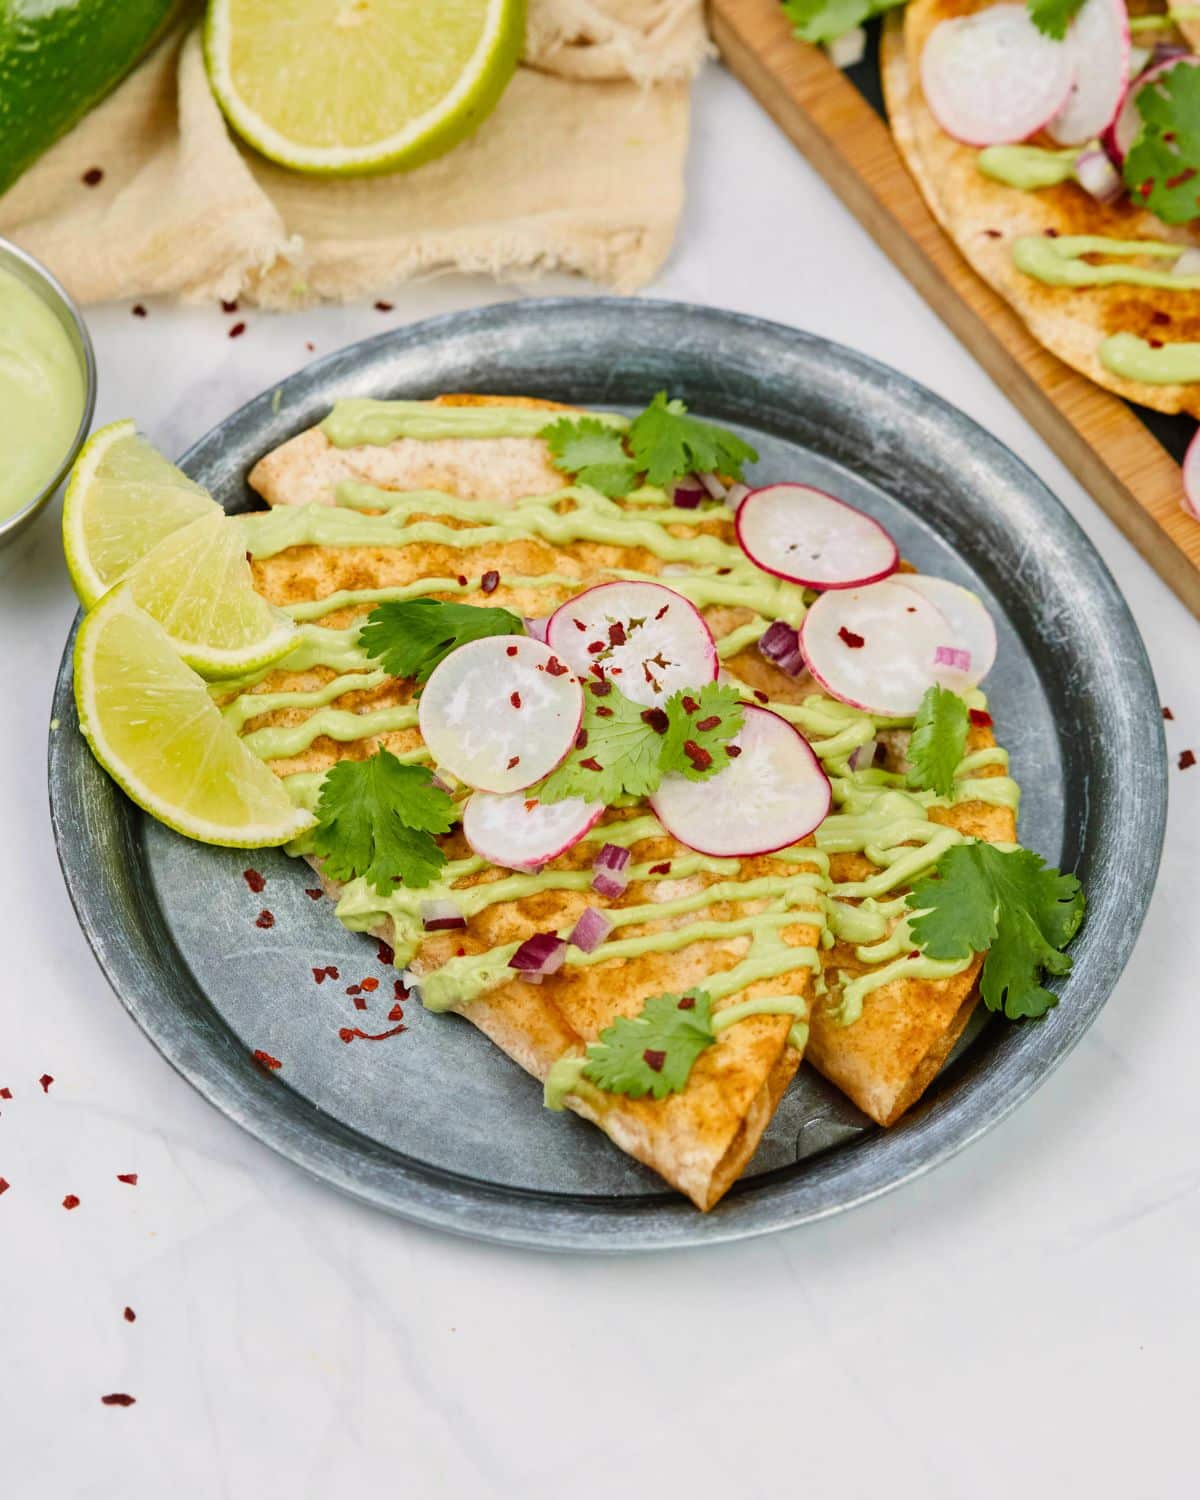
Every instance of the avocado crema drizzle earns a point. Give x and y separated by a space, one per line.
877 816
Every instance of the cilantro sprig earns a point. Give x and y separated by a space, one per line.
665 443
625 749
1052 17
376 818
1162 168
938 740
410 637
1007 904
653 1052
826 20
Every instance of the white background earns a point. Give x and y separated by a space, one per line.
1022 1322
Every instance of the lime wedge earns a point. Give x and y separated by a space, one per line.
355 86
123 498
154 728
197 584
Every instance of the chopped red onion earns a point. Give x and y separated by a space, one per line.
1095 173
952 656
612 871
537 626
780 645
863 758
687 493
592 928
542 954
712 483
735 494
849 49
441 916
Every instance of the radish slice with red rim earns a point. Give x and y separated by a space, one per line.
1191 477
806 536
1098 43
875 647
520 833
772 794
972 630
1123 131
992 78
648 639
500 713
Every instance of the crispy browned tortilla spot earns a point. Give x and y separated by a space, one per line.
983 218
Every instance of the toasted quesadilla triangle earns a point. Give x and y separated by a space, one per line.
984 217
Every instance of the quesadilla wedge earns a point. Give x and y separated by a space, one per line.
1097 277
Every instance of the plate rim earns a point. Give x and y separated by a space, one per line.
826 1184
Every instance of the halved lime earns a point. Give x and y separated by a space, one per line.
357 86
123 498
197 584
154 728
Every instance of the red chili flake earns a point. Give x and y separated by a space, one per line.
385 953
687 1002
656 718
490 581
654 1058
851 639
690 705
396 1013
384 306
761 696
70 1201
1187 759
237 330
129 1178
663 869
130 1315
1147 187
1181 177
662 611
604 713
1051 234
591 764
993 234
913 953
265 1060
616 634
370 985
462 580
320 975
530 803
581 739
118 1398
45 1080
254 880
354 989
93 176
309 345
331 970
460 953
578 624
359 1003
5 1093
595 647
1161 318
4 1185
265 919
229 307
138 310
510 651
733 751
350 1033
400 990
1155 343
723 572
697 754
515 699
1167 714
313 892
980 717
602 688
710 723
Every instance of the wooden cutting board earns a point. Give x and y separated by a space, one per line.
1098 436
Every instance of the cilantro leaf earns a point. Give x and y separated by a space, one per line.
1005 903
594 453
668 444
377 818
652 1053
617 752
938 740
694 745
1162 169
412 636
1052 17
826 20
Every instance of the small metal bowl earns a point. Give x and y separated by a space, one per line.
38 279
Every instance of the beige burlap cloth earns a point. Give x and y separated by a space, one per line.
580 168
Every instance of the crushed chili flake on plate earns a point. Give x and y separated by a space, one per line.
265 1060
384 306
370 984
45 1080
70 1201
4 1184
1167 714
265 919
1187 759
254 880
349 1034
237 330
5 1093
130 1315
314 893
128 1177
138 310
229 307
385 953
118 1398
93 177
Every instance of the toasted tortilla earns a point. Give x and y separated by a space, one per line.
984 217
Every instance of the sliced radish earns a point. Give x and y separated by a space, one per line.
500 713
809 537
875 647
972 630
992 78
1121 134
771 795
1098 44
520 833
1191 477
650 640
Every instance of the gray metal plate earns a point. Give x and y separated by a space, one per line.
435 1124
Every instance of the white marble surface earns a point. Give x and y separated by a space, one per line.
1022 1322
